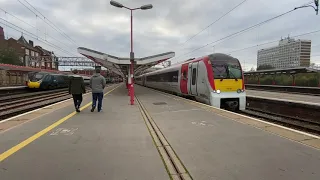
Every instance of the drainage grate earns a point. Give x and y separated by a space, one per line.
159 103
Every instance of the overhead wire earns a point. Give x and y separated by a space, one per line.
214 21
51 22
34 36
269 42
238 32
35 28
45 19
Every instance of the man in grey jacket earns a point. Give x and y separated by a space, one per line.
97 84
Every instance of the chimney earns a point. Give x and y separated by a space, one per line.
1 33
31 43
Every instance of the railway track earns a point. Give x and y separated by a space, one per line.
12 91
291 114
294 123
12 105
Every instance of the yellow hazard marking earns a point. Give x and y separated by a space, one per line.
21 145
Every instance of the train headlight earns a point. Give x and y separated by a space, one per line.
240 90
218 91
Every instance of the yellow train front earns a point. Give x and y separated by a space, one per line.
43 81
228 87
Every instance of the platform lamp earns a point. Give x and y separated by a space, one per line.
130 72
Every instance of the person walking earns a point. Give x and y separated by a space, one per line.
97 84
76 88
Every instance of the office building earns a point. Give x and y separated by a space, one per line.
288 54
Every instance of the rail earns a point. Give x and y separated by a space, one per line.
302 116
288 89
17 103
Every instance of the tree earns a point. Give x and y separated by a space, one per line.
252 69
265 67
9 56
312 65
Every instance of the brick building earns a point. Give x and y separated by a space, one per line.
30 55
3 42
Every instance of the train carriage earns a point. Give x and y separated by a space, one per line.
45 80
216 80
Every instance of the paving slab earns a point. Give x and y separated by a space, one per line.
114 144
11 137
215 147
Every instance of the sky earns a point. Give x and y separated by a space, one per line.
65 25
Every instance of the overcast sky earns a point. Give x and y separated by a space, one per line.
97 25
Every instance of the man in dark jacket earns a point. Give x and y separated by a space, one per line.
97 84
76 88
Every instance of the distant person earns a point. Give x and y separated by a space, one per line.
76 88
97 84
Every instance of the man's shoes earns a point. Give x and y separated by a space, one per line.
77 109
92 109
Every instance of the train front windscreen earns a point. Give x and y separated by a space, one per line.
227 69
36 77
227 73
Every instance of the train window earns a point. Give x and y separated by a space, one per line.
226 68
194 76
164 77
234 71
185 74
38 76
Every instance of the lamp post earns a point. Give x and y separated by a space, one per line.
316 7
130 72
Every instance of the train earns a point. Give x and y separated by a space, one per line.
216 79
45 80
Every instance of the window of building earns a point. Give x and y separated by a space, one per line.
32 53
27 51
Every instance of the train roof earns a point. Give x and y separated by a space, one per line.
211 56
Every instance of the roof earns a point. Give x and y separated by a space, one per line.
25 43
120 65
44 51
30 69
283 71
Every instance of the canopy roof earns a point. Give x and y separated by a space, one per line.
120 65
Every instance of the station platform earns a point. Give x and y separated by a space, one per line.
12 87
131 142
299 98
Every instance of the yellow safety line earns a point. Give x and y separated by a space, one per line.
19 146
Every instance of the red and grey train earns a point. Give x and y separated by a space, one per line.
216 79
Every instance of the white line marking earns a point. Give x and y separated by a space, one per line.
272 124
286 100
63 131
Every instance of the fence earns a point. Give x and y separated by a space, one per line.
11 78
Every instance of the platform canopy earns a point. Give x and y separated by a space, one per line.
120 65
295 70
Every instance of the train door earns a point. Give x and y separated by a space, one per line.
184 79
193 67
